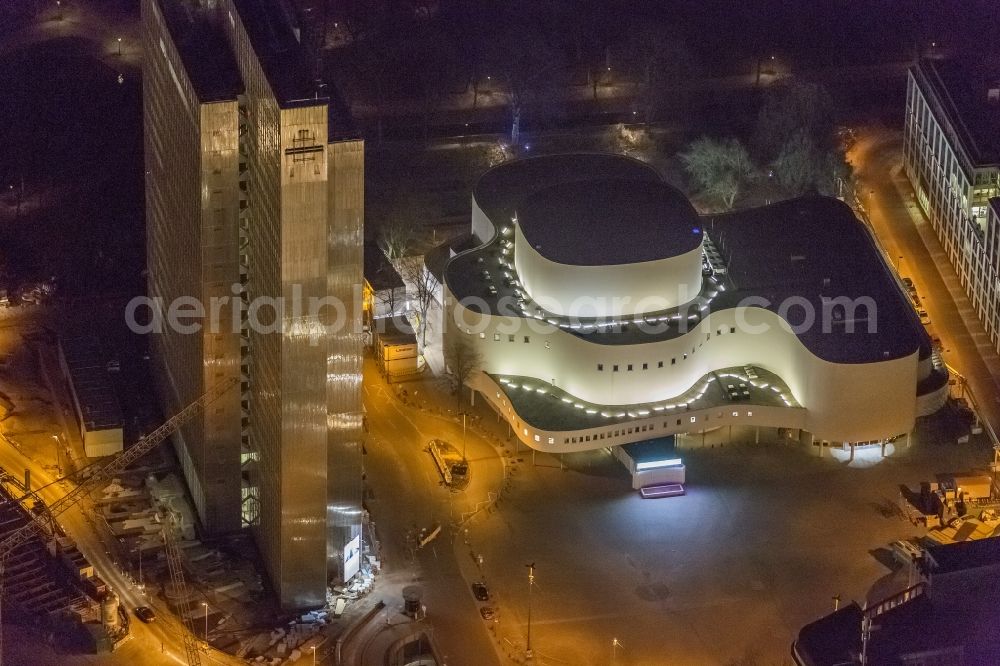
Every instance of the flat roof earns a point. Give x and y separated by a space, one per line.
503 188
808 249
962 555
285 61
815 248
608 222
390 333
651 450
437 258
832 640
379 273
208 60
547 407
962 86
88 376
960 619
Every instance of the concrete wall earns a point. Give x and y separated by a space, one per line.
838 398
99 443
670 422
606 291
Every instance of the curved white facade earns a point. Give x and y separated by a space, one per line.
870 395
838 398
622 290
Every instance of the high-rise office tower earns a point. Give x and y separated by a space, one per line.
255 207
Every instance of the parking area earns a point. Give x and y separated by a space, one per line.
766 536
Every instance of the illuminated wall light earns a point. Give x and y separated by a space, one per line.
539 390
658 408
578 405
591 411
643 412
658 464
566 400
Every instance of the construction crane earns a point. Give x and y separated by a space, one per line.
175 564
100 472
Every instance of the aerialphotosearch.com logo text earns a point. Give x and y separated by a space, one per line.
315 317
311 316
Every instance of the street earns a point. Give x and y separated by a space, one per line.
409 495
910 240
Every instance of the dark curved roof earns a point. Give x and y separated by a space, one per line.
809 249
608 222
503 188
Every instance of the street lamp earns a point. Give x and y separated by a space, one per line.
465 439
206 622
119 46
314 655
614 651
531 584
59 470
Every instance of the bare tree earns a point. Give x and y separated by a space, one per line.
437 61
421 286
631 141
719 168
802 167
394 238
462 360
661 66
794 108
530 71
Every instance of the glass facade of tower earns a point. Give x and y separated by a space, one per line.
291 238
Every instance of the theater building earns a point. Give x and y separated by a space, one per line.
606 311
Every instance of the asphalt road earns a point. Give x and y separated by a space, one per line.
905 232
724 575
158 643
408 496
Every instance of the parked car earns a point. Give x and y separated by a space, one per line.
488 612
924 317
146 614
480 591
908 282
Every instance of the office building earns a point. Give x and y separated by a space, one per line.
254 192
604 311
952 158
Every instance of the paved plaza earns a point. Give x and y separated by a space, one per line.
766 536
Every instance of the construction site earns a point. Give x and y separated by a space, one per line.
150 583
